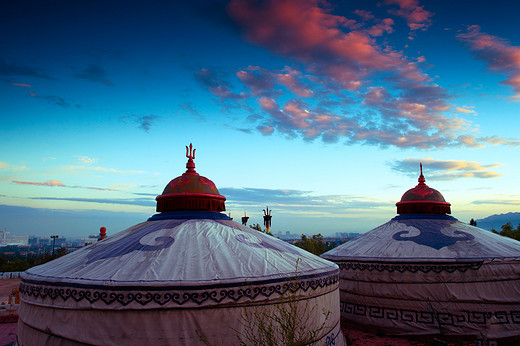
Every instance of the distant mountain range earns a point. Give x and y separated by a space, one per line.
497 220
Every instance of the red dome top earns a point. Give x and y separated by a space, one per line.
190 192
422 199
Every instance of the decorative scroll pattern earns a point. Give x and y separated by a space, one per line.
428 317
40 290
409 267
430 233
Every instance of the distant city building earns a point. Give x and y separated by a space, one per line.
345 235
6 239
287 236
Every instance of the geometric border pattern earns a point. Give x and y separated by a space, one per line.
168 296
431 318
408 267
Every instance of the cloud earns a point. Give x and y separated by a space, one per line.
214 81
144 122
499 55
144 202
362 92
189 108
47 183
465 110
16 69
102 169
296 201
5 165
55 100
416 16
87 160
495 140
53 183
308 33
498 201
446 169
290 78
21 85
94 73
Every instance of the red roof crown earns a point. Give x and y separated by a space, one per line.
190 191
422 199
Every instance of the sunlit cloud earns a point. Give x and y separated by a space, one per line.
7 166
144 202
47 183
495 140
86 160
347 67
499 55
53 183
465 110
94 73
513 202
446 169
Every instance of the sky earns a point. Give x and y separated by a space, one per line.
320 110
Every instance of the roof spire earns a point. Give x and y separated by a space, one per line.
421 179
423 200
190 165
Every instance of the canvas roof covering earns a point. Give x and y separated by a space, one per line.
431 274
181 277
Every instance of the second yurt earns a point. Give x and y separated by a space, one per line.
425 272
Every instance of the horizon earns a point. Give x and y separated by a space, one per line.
320 110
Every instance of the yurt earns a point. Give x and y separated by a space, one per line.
186 276
425 272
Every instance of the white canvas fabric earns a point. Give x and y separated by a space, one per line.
431 274
175 282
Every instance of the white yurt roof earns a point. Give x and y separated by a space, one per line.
425 272
183 276
429 238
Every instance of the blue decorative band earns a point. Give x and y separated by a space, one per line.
35 290
356 312
413 267
423 216
187 215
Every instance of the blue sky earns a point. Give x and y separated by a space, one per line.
321 110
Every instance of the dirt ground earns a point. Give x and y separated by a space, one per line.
6 287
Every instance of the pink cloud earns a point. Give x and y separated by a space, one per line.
342 60
328 44
498 53
47 183
308 33
416 16
22 85
365 15
258 80
385 26
290 78
217 85
53 183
